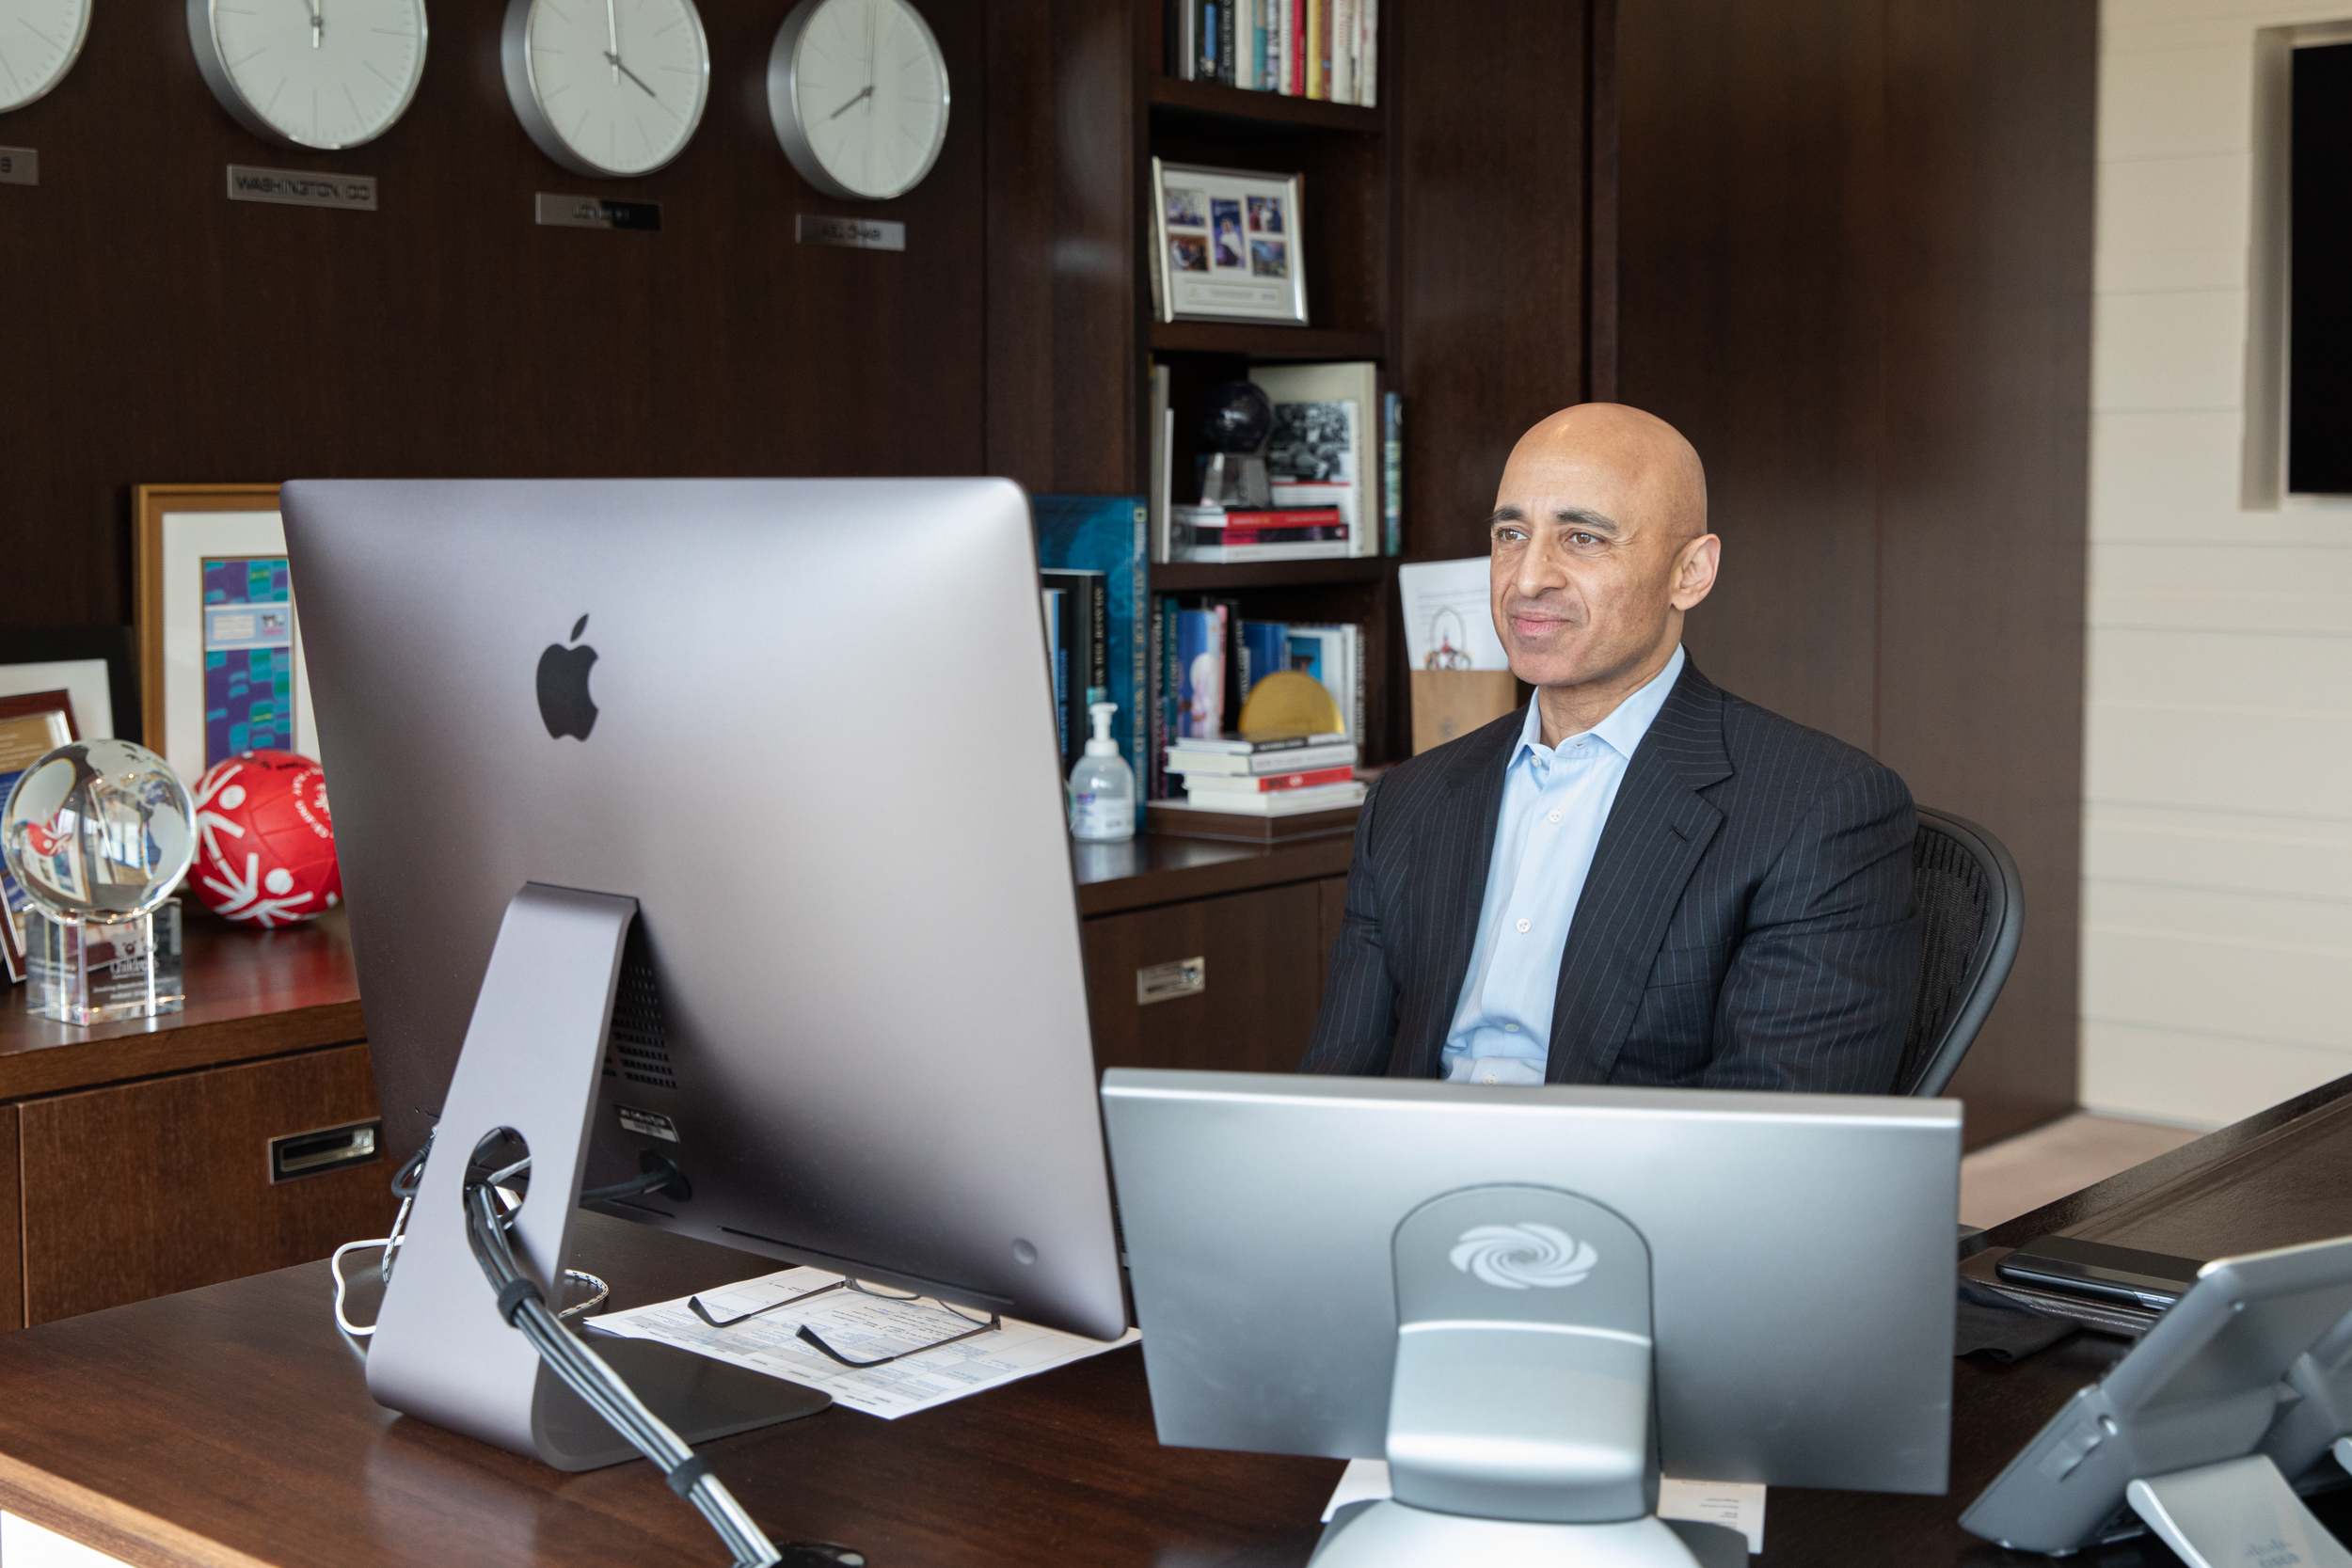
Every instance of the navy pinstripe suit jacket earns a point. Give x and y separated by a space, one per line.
1747 922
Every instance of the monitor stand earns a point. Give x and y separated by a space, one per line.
533 1057
2236 1513
1520 1429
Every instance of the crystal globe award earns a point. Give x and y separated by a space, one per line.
1236 420
97 833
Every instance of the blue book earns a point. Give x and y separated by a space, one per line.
1306 654
1107 534
1266 643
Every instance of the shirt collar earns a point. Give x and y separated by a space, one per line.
1623 730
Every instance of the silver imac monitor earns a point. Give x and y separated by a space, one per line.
754 786
1529 1299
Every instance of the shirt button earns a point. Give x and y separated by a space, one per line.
1555 816
1510 1028
1525 925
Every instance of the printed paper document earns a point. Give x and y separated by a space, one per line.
861 1327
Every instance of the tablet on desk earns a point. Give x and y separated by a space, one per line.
2153 1280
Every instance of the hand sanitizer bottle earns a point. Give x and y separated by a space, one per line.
1103 786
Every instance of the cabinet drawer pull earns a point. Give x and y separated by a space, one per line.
1166 982
293 1155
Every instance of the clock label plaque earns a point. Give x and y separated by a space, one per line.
352 193
856 234
590 211
20 166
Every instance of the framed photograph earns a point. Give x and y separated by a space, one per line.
99 665
1226 245
32 724
220 669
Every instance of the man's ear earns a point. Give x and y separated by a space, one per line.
1694 571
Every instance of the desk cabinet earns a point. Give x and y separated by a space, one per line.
147 1189
1260 979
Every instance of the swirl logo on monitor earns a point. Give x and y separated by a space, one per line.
1517 1256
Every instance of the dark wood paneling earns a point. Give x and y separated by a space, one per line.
11 1225
1065 396
1983 540
1752 257
1855 268
182 337
1487 126
144 1189
1265 982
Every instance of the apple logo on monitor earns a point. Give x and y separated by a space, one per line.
564 705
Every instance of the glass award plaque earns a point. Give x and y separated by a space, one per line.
97 833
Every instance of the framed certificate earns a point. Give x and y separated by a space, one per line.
1226 244
220 669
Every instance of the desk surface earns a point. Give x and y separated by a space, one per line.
232 1425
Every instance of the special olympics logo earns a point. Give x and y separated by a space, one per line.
1518 1256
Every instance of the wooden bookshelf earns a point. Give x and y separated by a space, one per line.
1341 152
1174 100
1189 577
1257 340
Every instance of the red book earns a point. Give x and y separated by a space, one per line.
1261 783
1279 516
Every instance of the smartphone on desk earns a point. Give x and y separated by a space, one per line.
2153 1280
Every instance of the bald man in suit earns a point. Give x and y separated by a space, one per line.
1638 877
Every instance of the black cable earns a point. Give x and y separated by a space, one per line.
658 1174
583 1372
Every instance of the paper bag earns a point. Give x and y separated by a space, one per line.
1448 704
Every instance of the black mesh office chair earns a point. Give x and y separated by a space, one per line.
1971 910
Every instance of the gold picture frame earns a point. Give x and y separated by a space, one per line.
177 529
32 724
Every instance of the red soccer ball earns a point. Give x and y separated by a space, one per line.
266 841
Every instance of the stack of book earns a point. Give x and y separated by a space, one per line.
1267 776
1328 49
1206 657
1221 535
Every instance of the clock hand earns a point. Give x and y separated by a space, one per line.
852 104
318 24
612 40
620 71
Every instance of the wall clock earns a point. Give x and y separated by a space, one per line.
858 89
38 42
321 74
611 87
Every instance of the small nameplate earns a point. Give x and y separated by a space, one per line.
647 1124
20 166
589 212
353 193
854 233
1166 982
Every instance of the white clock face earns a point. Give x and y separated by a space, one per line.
321 74
38 41
858 90
607 87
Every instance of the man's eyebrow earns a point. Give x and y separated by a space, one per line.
1584 517
1580 516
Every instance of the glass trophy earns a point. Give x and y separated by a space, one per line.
97 833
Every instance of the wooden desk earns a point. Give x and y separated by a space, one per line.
232 1425
134 1156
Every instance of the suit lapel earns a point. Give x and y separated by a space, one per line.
1450 863
1656 830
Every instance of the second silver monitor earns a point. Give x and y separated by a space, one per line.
1801 1250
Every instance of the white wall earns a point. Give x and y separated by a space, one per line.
2218 779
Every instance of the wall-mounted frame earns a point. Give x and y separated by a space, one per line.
1227 245
32 724
220 668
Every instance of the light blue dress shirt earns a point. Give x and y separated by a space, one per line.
1555 802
